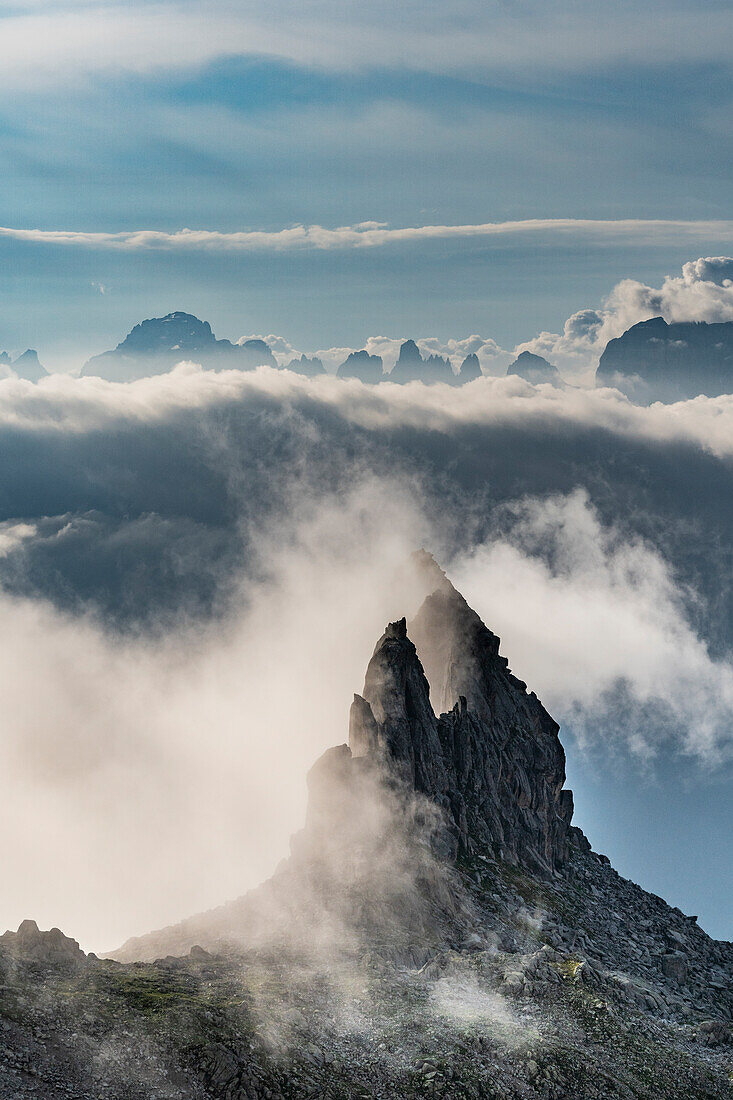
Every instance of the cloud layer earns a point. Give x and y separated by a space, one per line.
370 234
249 528
66 40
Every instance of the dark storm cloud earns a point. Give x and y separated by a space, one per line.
146 498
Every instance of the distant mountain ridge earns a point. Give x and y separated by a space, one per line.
410 367
535 369
652 361
27 366
657 361
156 345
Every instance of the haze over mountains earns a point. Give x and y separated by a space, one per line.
155 346
651 361
26 366
656 361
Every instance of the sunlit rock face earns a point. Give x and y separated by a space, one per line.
656 361
156 345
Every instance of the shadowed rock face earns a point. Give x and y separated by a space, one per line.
411 367
493 760
156 345
360 364
656 361
396 699
29 367
470 369
309 367
535 369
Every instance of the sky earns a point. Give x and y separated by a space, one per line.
120 117
485 176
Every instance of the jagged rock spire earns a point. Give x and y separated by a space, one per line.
493 759
395 712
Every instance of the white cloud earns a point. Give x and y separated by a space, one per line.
61 403
225 720
48 42
373 234
205 737
617 622
702 292
13 534
281 348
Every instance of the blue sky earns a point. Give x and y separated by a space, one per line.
126 116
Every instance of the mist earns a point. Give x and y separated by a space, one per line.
196 568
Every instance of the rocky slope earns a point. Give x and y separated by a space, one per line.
440 928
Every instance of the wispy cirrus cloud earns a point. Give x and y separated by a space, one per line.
372 234
51 41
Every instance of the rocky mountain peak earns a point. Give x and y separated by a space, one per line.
484 749
657 361
176 331
411 367
409 353
155 346
46 949
311 366
360 364
29 367
470 368
535 369
398 697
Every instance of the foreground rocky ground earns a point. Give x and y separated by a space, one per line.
441 929
558 990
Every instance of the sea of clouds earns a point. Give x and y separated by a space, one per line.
196 568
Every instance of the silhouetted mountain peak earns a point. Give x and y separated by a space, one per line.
174 332
409 353
411 367
156 345
470 368
29 367
657 361
310 367
535 369
360 364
